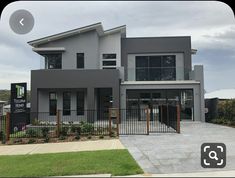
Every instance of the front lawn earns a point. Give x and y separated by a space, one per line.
115 162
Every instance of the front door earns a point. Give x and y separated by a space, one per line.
104 102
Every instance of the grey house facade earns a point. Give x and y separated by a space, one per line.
92 69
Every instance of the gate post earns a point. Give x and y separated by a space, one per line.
110 124
7 126
148 118
58 123
178 118
118 118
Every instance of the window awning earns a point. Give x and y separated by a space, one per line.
49 49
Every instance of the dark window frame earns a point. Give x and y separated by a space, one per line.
109 56
49 61
80 103
80 60
52 112
144 72
66 111
109 63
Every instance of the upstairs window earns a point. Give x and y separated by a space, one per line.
155 68
53 61
80 60
110 56
109 61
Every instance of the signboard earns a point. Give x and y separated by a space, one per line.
113 112
18 97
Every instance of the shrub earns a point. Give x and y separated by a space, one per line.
62 137
31 133
46 140
31 141
87 128
112 134
77 137
89 137
101 136
1 135
64 131
17 140
73 128
45 132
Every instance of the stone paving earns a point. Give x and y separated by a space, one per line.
179 153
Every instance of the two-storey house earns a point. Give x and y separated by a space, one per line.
94 69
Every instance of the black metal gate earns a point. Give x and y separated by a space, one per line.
161 119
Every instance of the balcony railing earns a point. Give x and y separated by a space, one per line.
158 74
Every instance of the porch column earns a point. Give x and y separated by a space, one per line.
116 99
90 98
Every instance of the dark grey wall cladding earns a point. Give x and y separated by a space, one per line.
90 79
156 45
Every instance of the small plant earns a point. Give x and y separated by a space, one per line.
45 132
101 136
89 137
31 141
31 133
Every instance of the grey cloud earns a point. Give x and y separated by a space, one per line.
141 18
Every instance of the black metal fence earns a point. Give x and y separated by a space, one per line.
2 128
161 119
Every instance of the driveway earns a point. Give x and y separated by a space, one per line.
179 153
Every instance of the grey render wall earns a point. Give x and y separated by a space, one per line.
75 79
157 45
87 43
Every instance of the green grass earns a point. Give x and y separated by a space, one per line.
115 162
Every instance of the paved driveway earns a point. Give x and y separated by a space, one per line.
175 153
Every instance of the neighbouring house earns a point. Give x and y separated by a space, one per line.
1 107
90 68
212 100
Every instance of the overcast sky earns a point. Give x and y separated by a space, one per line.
211 26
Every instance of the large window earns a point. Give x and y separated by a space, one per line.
155 68
80 103
53 61
52 103
66 103
80 60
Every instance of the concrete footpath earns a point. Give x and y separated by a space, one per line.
61 147
195 174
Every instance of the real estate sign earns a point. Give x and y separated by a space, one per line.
18 97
